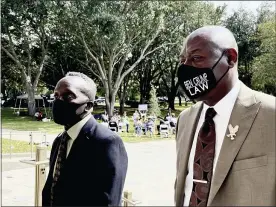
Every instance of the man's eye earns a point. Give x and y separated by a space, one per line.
70 97
197 58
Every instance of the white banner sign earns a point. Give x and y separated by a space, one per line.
143 107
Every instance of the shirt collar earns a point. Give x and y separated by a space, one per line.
74 131
226 104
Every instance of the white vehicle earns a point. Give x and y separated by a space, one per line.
100 100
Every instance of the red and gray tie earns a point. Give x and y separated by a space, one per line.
203 161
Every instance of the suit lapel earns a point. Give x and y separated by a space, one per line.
243 115
186 137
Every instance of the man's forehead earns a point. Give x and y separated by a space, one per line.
195 44
72 83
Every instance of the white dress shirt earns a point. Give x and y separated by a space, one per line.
224 109
73 133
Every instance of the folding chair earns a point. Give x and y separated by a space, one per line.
164 130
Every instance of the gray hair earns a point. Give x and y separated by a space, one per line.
91 89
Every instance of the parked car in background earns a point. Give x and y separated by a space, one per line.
162 99
100 101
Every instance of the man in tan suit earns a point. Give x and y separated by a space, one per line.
226 141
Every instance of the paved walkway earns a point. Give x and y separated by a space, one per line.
150 176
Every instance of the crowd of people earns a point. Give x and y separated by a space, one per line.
143 123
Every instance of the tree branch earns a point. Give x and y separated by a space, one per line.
157 48
110 69
27 44
17 62
123 62
11 45
142 56
86 65
103 75
166 85
39 70
101 56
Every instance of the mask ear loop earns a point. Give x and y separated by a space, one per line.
218 59
216 65
223 75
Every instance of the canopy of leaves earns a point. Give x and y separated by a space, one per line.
264 71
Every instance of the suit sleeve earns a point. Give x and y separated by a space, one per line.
176 132
116 168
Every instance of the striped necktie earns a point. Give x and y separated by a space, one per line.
61 157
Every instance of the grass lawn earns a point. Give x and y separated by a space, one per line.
17 146
26 123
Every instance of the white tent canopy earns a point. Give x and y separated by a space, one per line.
24 97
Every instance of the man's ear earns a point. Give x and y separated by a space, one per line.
89 106
232 57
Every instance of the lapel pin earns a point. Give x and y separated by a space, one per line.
232 131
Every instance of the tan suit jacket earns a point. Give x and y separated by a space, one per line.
245 171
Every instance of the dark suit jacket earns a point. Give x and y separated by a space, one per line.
94 171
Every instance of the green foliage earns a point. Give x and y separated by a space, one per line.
154 107
242 24
255 36
186 17
264 73
107 40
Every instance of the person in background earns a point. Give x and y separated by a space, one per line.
38 115
138 127
120 126
88 163
125 121
150 126
168 117
173 120
135 117
105 116
144 125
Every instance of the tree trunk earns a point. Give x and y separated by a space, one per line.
110 102
145 78
3 89
173 88
122 106
171 98
143 91
31 100
121 95
179 98
123 100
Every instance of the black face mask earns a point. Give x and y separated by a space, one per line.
65 113
197 82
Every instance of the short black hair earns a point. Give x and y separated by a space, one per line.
91 89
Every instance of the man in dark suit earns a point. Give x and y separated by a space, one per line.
88 162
